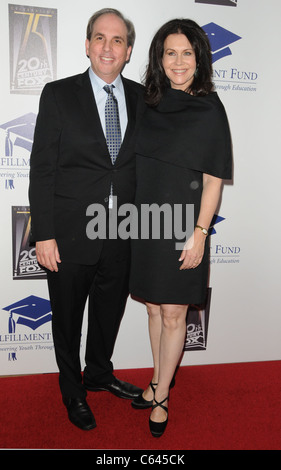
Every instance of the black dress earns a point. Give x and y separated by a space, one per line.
184 137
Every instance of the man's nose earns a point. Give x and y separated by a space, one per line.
107 45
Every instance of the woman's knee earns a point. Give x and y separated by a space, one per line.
153 309
173 316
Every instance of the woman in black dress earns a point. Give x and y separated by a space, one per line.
183 154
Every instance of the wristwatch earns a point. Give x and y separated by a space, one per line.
204 230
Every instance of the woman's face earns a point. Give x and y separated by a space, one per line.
179 61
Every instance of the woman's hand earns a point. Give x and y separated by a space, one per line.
193 251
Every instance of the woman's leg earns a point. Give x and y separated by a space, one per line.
172 338
155 327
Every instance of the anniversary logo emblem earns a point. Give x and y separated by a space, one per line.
197 323
33 47
25 265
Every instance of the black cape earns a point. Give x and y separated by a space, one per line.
200 124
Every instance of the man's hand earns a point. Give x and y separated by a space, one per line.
48 254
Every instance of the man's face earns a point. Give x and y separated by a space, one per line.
107 49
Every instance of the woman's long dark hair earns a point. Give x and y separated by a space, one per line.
155 79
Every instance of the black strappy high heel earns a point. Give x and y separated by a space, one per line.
157 429
140 403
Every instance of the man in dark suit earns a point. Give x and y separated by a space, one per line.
72 167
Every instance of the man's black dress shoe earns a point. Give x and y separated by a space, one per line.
141 403
79 413
117 387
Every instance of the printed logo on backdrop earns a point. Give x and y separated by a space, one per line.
197 322
228 3
33 48
221 252
227 74
25 265
23 318
16 139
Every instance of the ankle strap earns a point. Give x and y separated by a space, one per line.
160 403
152 386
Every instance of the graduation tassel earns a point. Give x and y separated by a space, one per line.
12 324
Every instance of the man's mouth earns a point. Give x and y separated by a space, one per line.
107 59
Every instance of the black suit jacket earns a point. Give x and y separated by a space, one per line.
70 166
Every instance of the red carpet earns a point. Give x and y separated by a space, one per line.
216 407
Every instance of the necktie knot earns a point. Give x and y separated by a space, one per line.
109 89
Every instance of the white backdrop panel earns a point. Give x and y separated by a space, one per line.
245 320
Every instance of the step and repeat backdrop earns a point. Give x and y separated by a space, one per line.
43 40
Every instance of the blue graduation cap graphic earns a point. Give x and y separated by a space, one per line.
19 132
215 220
32 312
219 39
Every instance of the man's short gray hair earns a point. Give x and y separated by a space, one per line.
131 35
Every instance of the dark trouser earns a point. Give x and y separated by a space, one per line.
106 285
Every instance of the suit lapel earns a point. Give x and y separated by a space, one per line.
88 103
131 103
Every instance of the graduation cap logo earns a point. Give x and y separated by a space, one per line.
219 39
215 220
32 312
17 133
